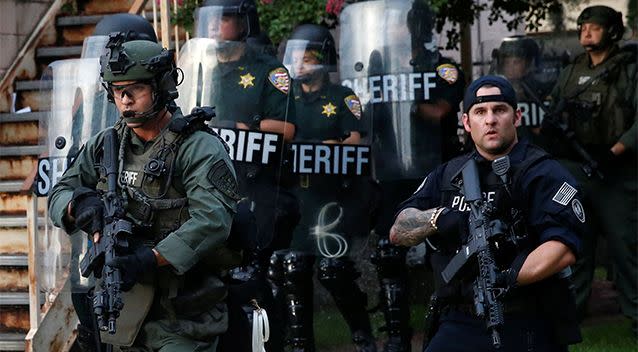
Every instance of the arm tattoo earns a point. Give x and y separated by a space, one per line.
412 226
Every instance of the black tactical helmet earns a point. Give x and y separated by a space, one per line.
241 8
606 17
519 46
140 60
136 27
320 39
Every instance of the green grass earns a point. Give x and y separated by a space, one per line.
608 335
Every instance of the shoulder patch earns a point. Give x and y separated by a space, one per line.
448 72
280 79
222 178
564 194
579 210
354 105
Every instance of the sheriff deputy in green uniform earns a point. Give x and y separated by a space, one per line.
327 113
181 211
600 95
251 91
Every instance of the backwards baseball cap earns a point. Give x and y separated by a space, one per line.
507 92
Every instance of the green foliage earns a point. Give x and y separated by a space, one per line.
607 336
532 13
184 16
279 17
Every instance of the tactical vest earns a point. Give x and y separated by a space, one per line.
507 208
155 200
606 109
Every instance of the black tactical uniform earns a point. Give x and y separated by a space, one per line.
537 316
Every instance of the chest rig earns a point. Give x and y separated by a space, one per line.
155 199
604 110
508 207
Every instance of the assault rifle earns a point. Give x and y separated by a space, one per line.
555 122
483 230
107 298
554 119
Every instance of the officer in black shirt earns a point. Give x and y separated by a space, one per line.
538 198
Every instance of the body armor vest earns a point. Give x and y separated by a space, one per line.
156 201
508 208
603 112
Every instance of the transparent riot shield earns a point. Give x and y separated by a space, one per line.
532 65
251 94
78 110
336 194
389 59
94 46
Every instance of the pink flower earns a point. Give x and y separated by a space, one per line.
266 2
334 7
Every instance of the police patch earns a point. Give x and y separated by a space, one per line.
564 194
280 79
578 209
222 178
354 105
448 72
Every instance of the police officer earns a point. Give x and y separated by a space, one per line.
517 60
134 27
549 214
251 91
181 213
414 125
329 114
599 92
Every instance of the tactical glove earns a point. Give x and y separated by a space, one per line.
134 266
453 223
88 210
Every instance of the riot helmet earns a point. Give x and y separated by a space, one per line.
212 20
420 23
134 26
310 53
516 56
262 44
141 61
606 17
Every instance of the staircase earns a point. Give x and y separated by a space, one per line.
20 147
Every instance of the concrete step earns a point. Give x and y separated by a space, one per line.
14 260
12 342
17 221
59 52
22 150
29 116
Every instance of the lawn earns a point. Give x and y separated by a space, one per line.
609 334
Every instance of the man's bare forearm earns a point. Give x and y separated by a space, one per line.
412 226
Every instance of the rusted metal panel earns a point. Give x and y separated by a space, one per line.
56 331
19 133
17 167
37 101
13 204
14 241
13 279
14 319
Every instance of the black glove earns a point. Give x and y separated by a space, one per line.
453 223
88 210
134 266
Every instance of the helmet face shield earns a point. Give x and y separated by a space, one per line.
216 22
304 59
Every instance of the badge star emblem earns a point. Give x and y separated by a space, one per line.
246 80
329 109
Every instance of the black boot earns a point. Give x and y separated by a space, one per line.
299 300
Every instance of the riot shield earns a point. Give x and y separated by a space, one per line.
388 58
78 110
250 93
532 65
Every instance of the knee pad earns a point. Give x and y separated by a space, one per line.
298 267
